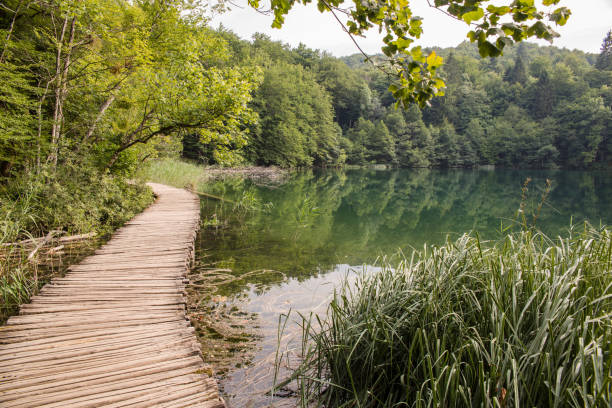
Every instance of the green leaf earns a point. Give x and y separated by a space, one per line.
561 15
502 42
487 49
473 15
499 10
403 43
495 31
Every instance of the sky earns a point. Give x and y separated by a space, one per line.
585 30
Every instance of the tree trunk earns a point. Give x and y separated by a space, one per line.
55 129
107 103
61 89
114 158
10 32
40 120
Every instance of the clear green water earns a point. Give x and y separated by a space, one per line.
318 227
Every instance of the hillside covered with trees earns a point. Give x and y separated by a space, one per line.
534 107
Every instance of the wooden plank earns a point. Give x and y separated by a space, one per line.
113 331
75 344
51 341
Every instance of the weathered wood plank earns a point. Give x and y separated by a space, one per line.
113 331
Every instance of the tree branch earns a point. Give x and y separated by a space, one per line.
346 30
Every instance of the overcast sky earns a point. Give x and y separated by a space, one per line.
590 21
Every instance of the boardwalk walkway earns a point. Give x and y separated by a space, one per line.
113 331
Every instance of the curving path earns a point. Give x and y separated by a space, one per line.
113 331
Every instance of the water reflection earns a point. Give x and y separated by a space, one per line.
319 225
319 219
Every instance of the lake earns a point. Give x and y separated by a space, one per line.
276 247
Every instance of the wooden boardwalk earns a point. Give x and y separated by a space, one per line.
113 331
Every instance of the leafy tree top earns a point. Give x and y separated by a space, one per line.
604 60
492 27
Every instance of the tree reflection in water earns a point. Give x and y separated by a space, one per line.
319 226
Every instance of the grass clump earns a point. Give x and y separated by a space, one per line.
525 321
173 172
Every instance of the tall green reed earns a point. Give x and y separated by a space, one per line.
525 321
173 172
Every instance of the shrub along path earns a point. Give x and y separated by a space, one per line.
113 331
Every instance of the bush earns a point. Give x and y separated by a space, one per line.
521 322
74 200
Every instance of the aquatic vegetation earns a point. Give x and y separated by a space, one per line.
524 321
227 333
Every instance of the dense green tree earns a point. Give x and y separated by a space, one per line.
453 69
17 124
351 96
296 125
604 60
484 150
566 86
499 93
546 154
471 102
413 138
380 145
518 73
542 96
359 136
446 146
582 124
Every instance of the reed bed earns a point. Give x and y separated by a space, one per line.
521 322
173 172
181 173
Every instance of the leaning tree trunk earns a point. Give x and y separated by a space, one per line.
101 111
10 31
55 129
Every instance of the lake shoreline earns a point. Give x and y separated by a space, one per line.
322 221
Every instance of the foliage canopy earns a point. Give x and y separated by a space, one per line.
492 27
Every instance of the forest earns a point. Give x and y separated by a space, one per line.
107 84
534 107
